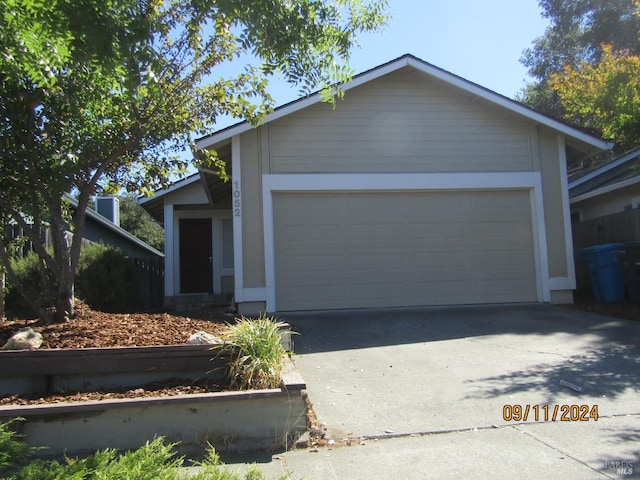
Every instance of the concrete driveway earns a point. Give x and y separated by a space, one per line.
423 393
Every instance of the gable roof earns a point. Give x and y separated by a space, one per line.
602 178
428 69
119 231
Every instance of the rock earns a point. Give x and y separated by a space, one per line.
25 339
204 338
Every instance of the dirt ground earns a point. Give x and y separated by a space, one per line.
626 310
99 329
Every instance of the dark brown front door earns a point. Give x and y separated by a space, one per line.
196 261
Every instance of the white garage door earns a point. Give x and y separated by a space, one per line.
386 249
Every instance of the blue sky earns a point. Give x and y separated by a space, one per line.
481 41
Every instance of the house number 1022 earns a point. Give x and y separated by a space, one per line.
237 200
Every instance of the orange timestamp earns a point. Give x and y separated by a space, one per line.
553 413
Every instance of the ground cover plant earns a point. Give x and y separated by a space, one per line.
156 460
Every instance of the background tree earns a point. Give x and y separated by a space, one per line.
575 35
137 221
604 97
80 110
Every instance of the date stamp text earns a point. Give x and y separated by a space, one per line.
550 413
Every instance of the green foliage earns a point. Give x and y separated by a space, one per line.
12 450
99 93
135 220
604 97
256 352
575 34
34 291
156 460
107 280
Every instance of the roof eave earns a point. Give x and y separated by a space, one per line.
427 68
605 168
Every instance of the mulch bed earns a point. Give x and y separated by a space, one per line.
91 329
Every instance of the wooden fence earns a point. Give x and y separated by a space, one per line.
151 278
619 227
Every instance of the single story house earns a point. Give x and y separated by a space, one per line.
418 188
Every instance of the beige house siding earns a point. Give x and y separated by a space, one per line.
400 123
251 208
404 122
552 188
613 202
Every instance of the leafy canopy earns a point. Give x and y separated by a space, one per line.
605 96
576 31
99 93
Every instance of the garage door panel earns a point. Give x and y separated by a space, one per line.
379 249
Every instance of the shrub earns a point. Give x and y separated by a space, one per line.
255 347
12 450
107 280
156 460
39 286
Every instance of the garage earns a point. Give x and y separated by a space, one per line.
367 249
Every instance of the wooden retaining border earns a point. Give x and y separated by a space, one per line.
236 421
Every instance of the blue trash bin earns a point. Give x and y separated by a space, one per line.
607 280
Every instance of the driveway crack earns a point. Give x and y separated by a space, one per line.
520 350
560 451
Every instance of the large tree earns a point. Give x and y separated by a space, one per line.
99 92
604 97
575 35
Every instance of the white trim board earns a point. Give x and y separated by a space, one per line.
397 181
406 182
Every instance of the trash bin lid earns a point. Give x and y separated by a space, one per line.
603 248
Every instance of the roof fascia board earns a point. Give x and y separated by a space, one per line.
172 188
605 168
436 72
609 188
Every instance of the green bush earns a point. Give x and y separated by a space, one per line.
39 288
156 460
107 280
256 350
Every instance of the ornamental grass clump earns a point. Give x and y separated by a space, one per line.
255 347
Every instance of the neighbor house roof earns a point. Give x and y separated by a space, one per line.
620 172
431 70
121 232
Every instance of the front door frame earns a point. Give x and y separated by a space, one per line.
216 217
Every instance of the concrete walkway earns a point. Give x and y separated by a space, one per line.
421 393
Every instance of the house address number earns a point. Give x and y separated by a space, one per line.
237 199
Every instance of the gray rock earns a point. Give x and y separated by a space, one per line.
25 339
204 338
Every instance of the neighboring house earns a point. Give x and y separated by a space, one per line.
419 188
103 226
606 188
604 207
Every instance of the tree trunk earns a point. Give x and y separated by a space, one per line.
2 305
65 303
